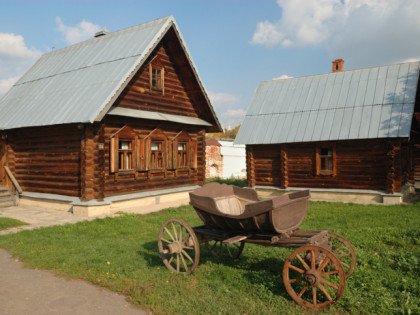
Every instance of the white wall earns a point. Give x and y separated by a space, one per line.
234 159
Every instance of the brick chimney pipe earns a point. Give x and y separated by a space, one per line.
338 65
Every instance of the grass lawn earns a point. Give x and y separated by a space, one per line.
121 254
6 223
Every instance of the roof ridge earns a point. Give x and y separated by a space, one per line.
338 72
112 34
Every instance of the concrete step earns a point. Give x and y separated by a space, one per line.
6 204
7 199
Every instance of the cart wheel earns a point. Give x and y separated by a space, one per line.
217 249
179 246
307 279
344 251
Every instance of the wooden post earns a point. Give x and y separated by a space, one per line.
394 183
284 177
87 174
201 165
250 167
100 162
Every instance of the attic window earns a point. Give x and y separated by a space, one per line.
156 76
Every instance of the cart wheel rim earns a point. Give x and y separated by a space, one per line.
344 251
219 250
313 277
178 246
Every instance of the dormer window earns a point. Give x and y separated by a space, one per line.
156 72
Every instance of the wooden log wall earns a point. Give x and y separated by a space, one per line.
266 165
119 183
361 164
46 159
417 162
175 98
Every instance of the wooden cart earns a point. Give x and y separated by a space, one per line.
314 274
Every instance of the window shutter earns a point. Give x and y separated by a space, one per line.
169 155
317 161
193 153
334 162
175 153
140 154
147 148
113 153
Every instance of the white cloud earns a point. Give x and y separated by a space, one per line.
15 59
74 34
226 105
222 99
283 76
362 32
232 118
15 56
6 84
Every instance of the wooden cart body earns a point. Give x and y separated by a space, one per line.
238 209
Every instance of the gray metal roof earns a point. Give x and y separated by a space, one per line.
359 104
79 83
127 112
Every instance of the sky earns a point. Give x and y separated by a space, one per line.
235 44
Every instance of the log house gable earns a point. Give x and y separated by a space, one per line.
109 63
179 93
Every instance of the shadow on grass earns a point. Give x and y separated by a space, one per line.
265 272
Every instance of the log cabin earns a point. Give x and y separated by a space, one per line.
118 115
350 132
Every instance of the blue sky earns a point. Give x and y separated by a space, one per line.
235 44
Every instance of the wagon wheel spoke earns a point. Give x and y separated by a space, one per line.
297 269
321 287
305 265
176 237
344 250
312 259
329 273
183 261
188 256
303 290
169 233
177 262
332 285
312 286
166 241
314 295
323 264
174 228
217 249
297 280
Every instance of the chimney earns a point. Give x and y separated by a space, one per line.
102 32
338 65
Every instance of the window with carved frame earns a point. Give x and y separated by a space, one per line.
182 155
125 154
184 151
326 159
156 155
156 75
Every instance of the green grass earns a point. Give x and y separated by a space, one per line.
121 254
6 223
230 181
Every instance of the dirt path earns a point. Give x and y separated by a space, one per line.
27 291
